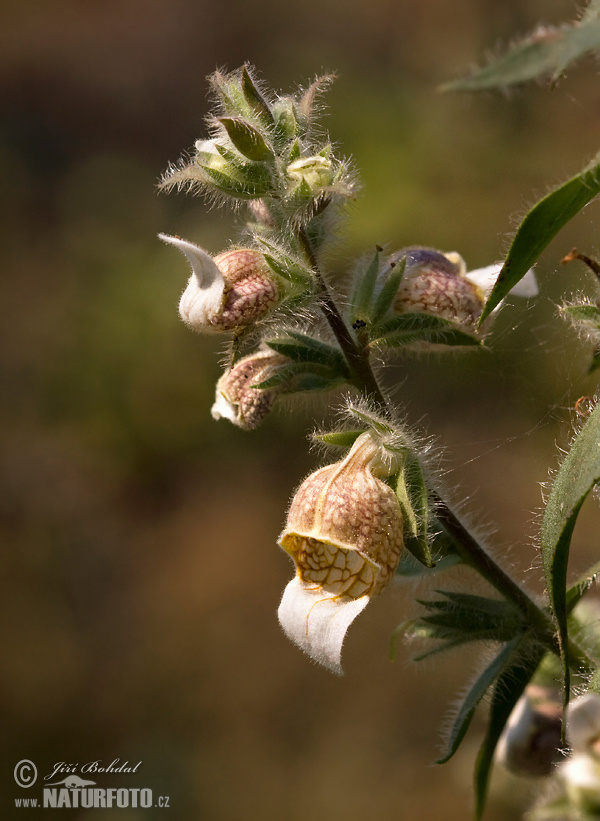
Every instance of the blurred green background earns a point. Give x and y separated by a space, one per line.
140 574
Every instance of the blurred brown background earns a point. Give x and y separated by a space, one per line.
140 573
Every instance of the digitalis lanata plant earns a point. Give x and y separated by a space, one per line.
376 508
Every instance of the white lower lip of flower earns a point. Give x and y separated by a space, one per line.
223 409
485 278
317 621
204 294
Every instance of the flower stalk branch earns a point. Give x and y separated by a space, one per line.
469 549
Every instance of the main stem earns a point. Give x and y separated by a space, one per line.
469 549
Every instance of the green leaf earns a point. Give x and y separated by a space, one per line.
413 496
410 566
545 53
371 420
386 295
509 688
577 475
360 305
303 348
252 185
409 328
540 226
255 99
247 139
339 439
292 272
583 312
300 377
477 617
578 590
471 701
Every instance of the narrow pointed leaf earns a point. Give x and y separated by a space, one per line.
386 295
409 566
363 293
300 377
409 328
577 475
474 696
247 139
578 590
540 226
509 688
545 53
255 99
341 439
288 270
412 494
302 348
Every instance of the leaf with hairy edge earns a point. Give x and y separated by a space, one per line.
255 99
510 684
406 329
363 293
409 566
540 226
474 696
412 494
299 377
302 348
247 139
546 52
388 291
577 475
339 439
577 591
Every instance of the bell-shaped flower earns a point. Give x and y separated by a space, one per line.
344 532
237 396
226 292
439 283
581 772
530 744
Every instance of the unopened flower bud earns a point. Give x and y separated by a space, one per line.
313 172
237 398
439 283
344 532
531 742
226 292
436 283
583 724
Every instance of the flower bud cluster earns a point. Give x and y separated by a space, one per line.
261 147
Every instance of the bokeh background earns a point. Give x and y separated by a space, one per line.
140 575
